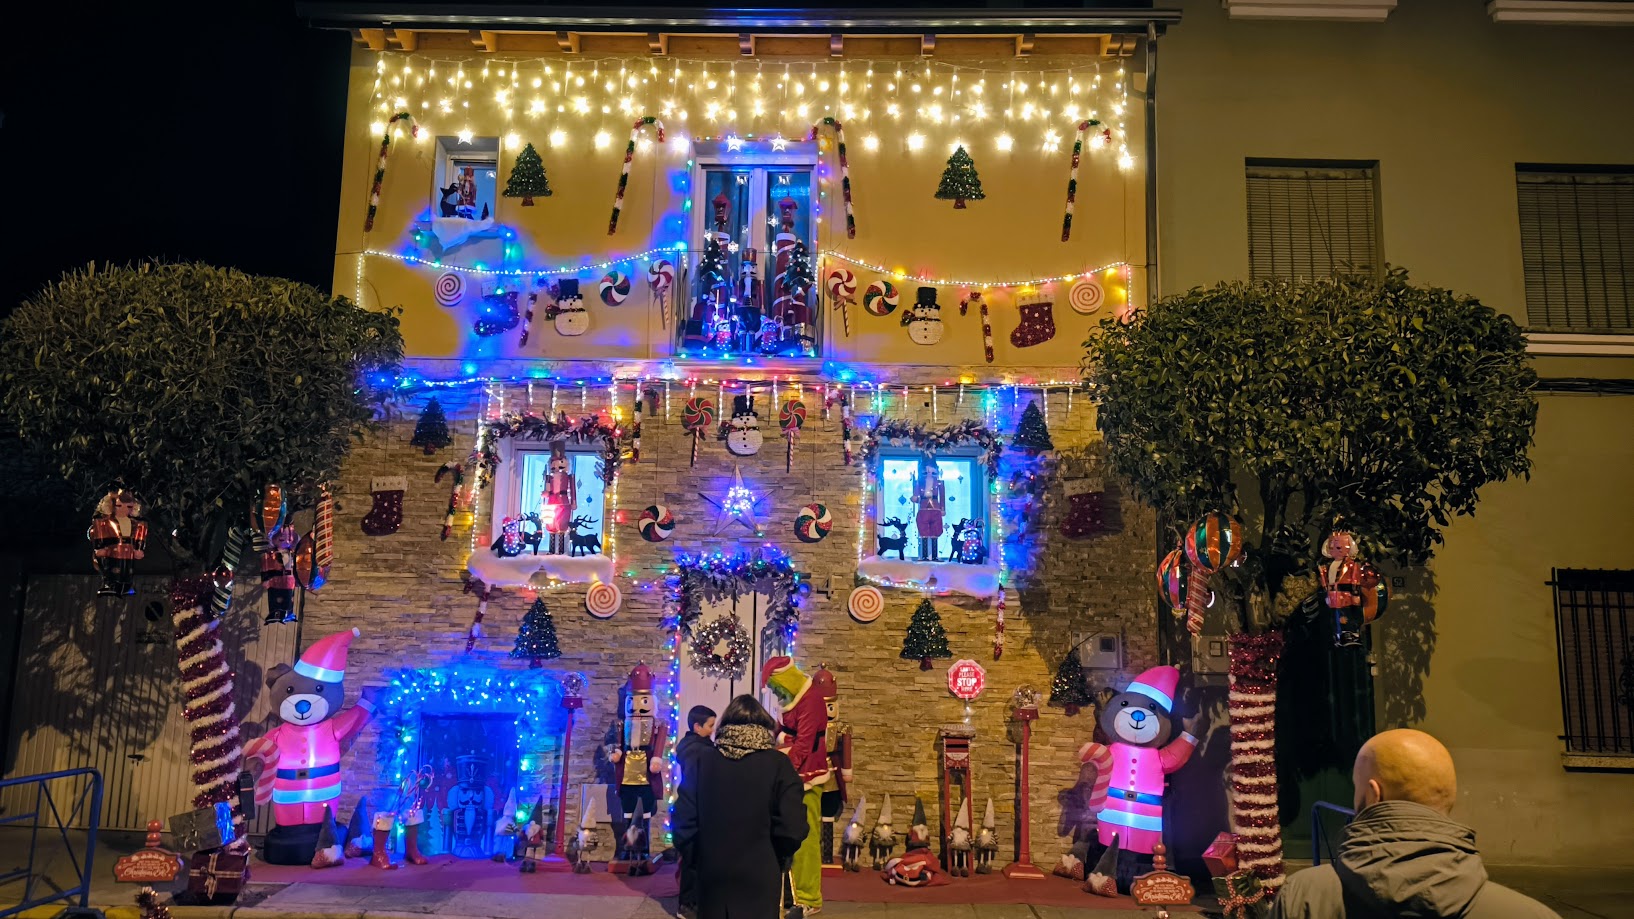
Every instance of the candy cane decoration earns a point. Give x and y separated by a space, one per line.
527 320
264 750
635 429
975 296
238 542
845 170
380 165
323 531
844 402
1072 183
629 155
1100 756
998 634
215 750
458 469
484 593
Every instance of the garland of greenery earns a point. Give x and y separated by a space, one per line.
727 665
534 428
896 431
716 576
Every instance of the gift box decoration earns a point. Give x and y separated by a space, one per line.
218 876
205 828
1221 855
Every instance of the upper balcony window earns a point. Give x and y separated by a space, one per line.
753 287
1312 219
467 178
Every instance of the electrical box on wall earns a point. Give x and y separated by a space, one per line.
1102 652
1209 657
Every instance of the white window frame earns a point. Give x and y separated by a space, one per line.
448 147
979 497
508 485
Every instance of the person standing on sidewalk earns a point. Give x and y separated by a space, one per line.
739 816
1403 855
698 739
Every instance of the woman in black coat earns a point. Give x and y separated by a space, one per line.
739 817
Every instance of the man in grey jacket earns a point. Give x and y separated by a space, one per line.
1403 856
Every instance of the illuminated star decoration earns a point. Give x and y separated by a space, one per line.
465 136
738 505
780 143
733 143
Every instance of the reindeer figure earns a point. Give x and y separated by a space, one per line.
589 544
897 543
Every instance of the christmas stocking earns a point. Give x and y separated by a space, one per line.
387 514
1086 510
1037 321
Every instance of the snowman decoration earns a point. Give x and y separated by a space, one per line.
742 431
924 320
568 312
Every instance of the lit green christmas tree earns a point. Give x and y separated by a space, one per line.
1070 688
926 638
1032 434
536 639
528 177
959 180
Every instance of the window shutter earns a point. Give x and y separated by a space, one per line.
1308 221
1577 248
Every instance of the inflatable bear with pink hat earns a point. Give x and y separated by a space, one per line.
300 758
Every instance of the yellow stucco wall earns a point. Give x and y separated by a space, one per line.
1013 233
1447 102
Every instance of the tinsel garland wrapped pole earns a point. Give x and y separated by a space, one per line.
1252 703
207 686
380 165
1072 181
845 170
629 156
998 626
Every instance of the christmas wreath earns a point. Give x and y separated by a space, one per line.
932 440
532 427
720 649
765 570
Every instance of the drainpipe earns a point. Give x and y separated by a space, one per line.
1151 165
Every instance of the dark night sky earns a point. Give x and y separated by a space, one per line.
131 133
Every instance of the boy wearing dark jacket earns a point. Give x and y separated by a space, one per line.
700 725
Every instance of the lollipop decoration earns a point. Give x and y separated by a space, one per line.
629 154
813 523
657 523
845 170
881 298
697 416
615 288
842 289
1086 296
975 296
450 289
660 278
414 131
1072 182
602 600
790 419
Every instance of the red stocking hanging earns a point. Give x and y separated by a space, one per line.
387 514
1086 509
1037 320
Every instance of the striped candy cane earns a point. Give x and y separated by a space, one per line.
380 165
1100 756
266 751
629 154
635 428
527 320
323 531
845 170
458 469
483 593
1072 183
976 297
221 598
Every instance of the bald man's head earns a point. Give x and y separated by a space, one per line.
1405 765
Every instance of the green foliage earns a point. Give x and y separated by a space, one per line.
959 180
1070 686
1371 402
536 638
528 178
194 385
1032 433
926 638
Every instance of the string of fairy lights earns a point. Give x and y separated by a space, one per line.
889 104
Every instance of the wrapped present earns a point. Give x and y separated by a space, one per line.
205 828
1221 855
216 877
1242 897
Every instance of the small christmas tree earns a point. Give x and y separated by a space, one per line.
536 639
528 177
1070 688
1032 434
926 638
431 431
797 279
959 180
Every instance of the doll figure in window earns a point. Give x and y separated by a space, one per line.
471 808
930 494
560 496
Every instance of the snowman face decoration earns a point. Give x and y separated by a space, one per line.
743 437
925 324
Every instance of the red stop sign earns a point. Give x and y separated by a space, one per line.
966 679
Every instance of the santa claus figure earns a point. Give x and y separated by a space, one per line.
839 757
558 499
119 539
637 755
804 738
1140 722
930 494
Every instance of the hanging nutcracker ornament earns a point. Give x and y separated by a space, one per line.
1213 543
558 499
975 296
1355 591
696 417
629 155
119 538
842 290
790 419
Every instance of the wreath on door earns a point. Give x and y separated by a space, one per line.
720 649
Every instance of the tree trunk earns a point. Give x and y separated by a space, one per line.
207 684
1252 704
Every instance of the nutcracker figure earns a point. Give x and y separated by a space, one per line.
838 744
637 755
930 494
804 739
559 497
471 807
709 319
119 539
791 306
278 574
1355 591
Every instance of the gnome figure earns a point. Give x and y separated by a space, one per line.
839 757
357 840
882 839
533 838
506 830
637 755
856 835
917 866
584 842
961 846
1140 722
987 842
328 853
804 739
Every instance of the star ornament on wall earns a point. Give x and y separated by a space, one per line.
733 143
738 505
780 143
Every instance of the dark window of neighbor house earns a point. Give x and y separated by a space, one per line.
1310 219
1577 246
1592 613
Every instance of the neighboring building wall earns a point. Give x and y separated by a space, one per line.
1448 103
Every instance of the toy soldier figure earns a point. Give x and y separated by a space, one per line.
930 493
637 754
560 496
119 539
278 575
839 757
471 806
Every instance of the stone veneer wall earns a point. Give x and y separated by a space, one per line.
404 592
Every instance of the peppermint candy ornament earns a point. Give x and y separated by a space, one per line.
866 603
881 298
602 600
450 288
656 523
615 288
1086 296
842 289
813 523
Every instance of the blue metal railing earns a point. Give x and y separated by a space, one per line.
78 795
1318 834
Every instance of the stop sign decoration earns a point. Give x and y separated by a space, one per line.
966 679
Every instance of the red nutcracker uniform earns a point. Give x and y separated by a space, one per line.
637 754
559 498
804 739
119 538
930 493
839 757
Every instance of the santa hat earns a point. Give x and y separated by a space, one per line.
640 679
1158 684
325 661
823 682
784 678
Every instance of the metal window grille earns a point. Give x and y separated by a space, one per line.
1311 220
1592 611
1577 247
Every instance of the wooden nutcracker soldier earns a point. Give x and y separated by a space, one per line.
119 539
559 498
930 494
839 758
278 575
791 306
637 755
